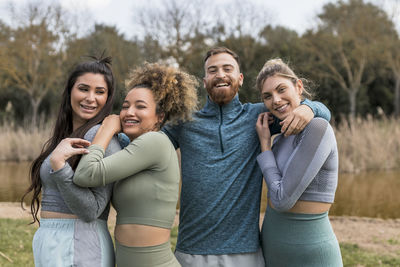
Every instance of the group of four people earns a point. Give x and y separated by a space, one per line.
225 151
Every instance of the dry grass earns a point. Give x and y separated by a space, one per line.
364 144
368 144
20 143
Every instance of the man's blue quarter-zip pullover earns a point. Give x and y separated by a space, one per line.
221 181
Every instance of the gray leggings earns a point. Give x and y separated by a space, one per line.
160 256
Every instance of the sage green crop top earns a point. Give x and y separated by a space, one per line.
147 176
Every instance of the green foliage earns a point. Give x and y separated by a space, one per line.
355 71
346 53
33 54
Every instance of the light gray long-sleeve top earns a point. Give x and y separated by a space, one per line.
60 194
302 167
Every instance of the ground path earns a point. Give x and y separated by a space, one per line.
382 236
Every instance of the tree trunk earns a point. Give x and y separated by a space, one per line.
35 109
353 102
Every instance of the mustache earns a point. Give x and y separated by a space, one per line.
221 80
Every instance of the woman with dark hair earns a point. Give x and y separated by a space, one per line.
146 172
301 173
73 225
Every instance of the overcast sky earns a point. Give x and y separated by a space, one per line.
298 15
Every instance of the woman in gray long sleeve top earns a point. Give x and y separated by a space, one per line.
301 173
73 226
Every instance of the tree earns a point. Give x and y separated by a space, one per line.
125 54
394 63
343 45
280 41
34 52
172 27
176 33
5 36
391 50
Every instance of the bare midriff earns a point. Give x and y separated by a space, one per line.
309 207
56 215
135 235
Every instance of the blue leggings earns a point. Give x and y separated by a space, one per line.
294 239
73 242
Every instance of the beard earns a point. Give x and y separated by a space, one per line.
222 96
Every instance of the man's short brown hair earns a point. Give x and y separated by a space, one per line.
219 50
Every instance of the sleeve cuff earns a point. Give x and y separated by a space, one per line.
65 173
266 160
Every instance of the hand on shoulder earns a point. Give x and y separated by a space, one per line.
67 148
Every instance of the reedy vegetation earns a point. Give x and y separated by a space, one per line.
364 144
368 144
22 143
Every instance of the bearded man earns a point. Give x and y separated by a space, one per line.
221 182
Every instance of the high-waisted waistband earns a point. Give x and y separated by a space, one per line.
299 227
159 255
70 223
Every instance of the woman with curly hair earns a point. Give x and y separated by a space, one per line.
146 172
73 219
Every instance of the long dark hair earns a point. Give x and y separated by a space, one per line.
63 127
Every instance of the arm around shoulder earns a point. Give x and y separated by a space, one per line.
142 153
318 108
90 167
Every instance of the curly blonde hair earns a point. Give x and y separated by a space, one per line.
174 90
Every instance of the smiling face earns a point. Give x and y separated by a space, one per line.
223 78
88 97
281 96
138 113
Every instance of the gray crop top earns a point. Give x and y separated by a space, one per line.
302 167
60 194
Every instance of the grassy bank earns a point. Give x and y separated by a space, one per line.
16 249
364 144
16 242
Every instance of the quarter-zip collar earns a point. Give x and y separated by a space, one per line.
228 110
224 115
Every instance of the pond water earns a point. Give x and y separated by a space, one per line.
14 180
371 194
